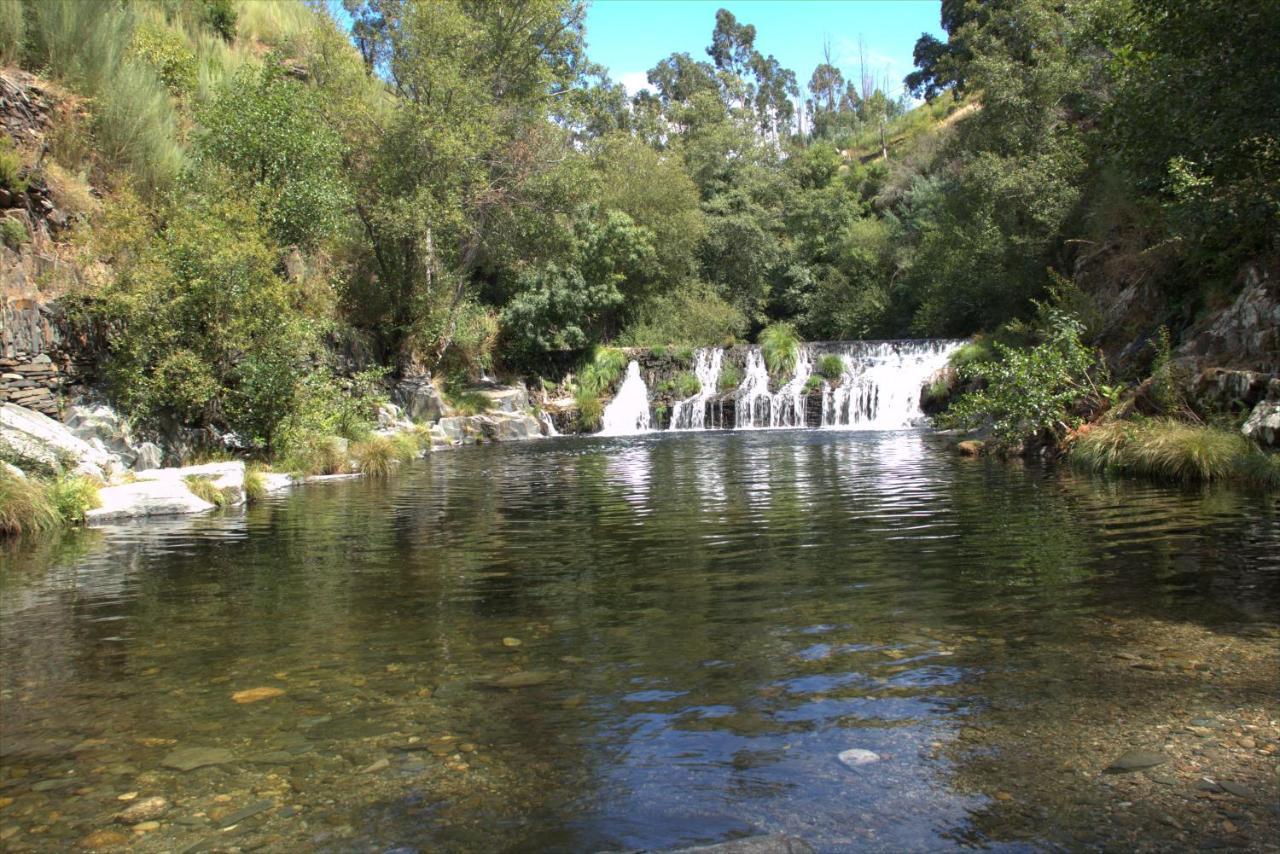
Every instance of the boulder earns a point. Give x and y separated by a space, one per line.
276 481
392 418
28 435
512 398
168 497
228 476
99 424
512 426
1263 424
459 428
420 400
1222 390
149 455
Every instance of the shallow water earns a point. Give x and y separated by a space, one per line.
708 621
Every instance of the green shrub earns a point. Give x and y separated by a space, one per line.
1030 389
814 383
374 457
203 487
684 354
694 315
72 496
830 367
1168 449
687 384
730 377
167 54
11 177
606 366
13 232
24 505
467 402
780 346
220 16
970 354
272 23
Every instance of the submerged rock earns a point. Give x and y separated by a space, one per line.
857 756
1136 760
147 809
191 758
254 695
524 679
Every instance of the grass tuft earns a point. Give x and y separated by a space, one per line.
255 485
730 377
780 346
1173 450
73 496
24 505
203 487
687 384
374 457
830 367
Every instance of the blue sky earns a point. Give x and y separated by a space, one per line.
630 36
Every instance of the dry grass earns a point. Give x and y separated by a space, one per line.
1173 450
25 506
375 457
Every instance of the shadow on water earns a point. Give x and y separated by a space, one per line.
702 623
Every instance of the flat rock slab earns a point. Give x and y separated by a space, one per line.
169 497
1136 760
244 812
191 758
775 843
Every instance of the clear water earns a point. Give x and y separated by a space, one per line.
711 619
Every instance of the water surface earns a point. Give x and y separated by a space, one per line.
708 621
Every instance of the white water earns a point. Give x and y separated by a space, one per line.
757 407
548 425
880 386
691 413
628 412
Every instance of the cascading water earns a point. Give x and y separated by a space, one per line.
758 407
880 386
691 413
628 412
548 425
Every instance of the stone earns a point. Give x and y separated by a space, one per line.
376 766
227 476
1136 760
244 812
29 435
776 843
1263 424
1238 789
148 455
970 447
856 757
517 426
256 695
190 758
147 809
420 400
511 642
276 481
146 498
100 425
510 399
524 679
104 840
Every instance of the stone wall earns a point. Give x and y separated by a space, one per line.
40 358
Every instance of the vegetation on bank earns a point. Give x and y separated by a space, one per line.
35 504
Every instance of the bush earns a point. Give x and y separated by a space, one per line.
24 505
374 457
606 366
13 232
220 16
590 410
167 54
1173 450
1030 389
814 383
830 367
72 496
407 447
970 354
318 455
780 346
11 177
693 316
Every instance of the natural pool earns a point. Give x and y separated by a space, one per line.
693 627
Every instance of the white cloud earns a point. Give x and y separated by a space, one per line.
634 81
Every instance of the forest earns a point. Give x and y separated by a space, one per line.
457 188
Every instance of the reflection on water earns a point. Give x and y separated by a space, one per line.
706 622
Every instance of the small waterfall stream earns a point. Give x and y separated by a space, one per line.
628 412
691 413
880 386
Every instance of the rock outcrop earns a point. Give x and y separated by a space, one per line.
167 492
1263 424
26 435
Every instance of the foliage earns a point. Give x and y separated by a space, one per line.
11 177
687 384
203 487
830 367
590 409
604 369
375 456
780 346
167 54
317 455
25 506
270 131
970 354
730 377
255 484
1032 389
1173 450
13 31
72 496
692 316
13 232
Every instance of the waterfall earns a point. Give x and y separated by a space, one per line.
548 425
758 407
691 413
880 386
628 412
